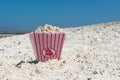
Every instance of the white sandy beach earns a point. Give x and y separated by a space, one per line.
89 53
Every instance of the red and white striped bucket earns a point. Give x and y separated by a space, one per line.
47 45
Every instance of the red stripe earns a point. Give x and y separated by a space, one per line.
36 46
46 44
63 36
47 40
54 45
51 41
57 46
43 45
51 37
40 57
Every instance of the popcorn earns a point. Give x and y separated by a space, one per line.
47 29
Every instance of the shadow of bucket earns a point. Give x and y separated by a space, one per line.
47 46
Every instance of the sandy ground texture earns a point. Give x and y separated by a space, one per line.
89 53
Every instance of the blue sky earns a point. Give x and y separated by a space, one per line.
26 15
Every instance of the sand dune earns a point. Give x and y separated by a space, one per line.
89 53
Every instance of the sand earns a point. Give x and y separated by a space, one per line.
89 53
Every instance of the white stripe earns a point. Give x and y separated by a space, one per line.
53 38
49 38
37 44
52 45
60 39
41 42
57 45
45 41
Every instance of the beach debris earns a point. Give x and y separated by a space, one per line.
77 55
2 49
95 72
89 79
19 64
33 62
64 62
19 43
37 71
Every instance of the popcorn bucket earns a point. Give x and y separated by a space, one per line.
47 46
